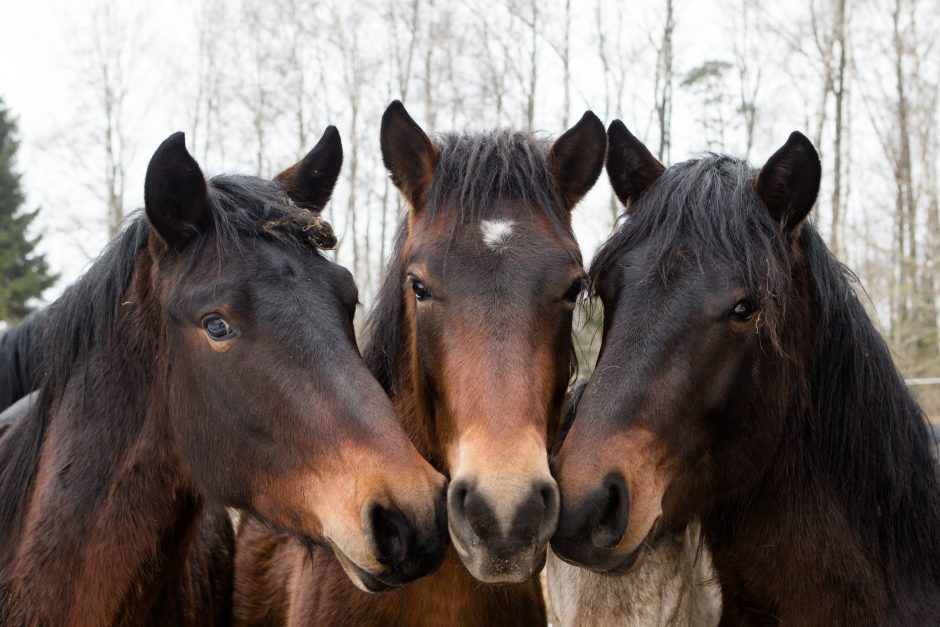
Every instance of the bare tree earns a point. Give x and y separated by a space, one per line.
664 79
707 81
429 109
614 63
346 25
749 62
208 121
259 85
839 77
564 51
108 56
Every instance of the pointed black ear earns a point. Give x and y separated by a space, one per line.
310 181
789 181
408 153
175 193
577 158
632 168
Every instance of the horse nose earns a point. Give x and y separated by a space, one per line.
506 531
405 549
612 504
601 517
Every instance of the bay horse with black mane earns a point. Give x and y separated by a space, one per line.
471 337
742 382
207 358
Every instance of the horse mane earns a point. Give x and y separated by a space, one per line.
474 175
19 362
476 172
385 337
84 319
857 421
700 209
864 426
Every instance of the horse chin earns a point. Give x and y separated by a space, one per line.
614 563
361 578
490 568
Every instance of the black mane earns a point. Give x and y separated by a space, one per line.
385 340
863 426
19 362
84 319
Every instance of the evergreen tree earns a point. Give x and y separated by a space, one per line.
24 274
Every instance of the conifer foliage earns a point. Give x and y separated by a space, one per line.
24 274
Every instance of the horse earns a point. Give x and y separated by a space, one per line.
672 586
205 359
743 383
19 367
471 338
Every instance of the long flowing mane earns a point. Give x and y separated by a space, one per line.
84 320
851 414
863 426
474 175
18 363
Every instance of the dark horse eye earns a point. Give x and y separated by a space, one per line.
421 292
743 310
574 291
216 327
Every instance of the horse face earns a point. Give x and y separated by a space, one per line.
489 296
674 355
491 330
271 404
677 412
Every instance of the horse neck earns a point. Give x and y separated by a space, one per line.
110 508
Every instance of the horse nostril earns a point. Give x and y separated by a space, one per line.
612 502
480 515
470 511
536 517
393 534
550 498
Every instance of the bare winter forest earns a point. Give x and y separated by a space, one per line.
253 83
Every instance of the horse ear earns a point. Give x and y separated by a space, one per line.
789 181
175 193
577 158
632 168
309 182
408 153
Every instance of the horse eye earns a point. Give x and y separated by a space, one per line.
743 310
574 291
421 292
216 327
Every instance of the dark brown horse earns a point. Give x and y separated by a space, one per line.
207 358
741 381
472 339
